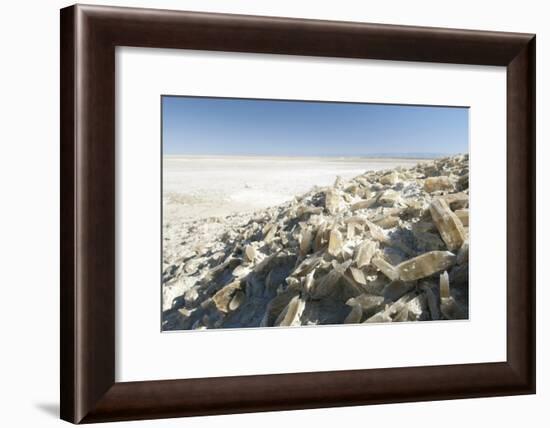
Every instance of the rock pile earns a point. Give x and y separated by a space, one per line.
386 246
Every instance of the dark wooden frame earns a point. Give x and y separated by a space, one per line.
89 35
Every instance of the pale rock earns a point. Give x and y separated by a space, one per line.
364 253
271 233
389 179
387 269
449 225
358 275
417 306
309 281
381 316
335 242
388 198
364 204
444 289
241 271
402 314
332 201
237 300
339 182
250 253
320 236
290 316
377 232
191 295
425 265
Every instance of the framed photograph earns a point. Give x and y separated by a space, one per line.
264 213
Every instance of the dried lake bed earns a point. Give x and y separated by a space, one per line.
198 187
255 241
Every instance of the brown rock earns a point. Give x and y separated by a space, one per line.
464 216
433 184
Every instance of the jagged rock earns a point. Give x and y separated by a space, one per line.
358 275
389 198
335 242
309 281
332 201
456 201
387 222
364 253
365 250
444 289
377 232
464 216
320 237
270 234
425 265
379 317
290 316
237 300
433 184
389 179
276 306
368 302
191 296
250 253
463 253
387 269
364 204
241 271
354 315
223 298
450 227
417 308
432 302
305 242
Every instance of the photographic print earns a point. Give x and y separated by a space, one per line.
287 213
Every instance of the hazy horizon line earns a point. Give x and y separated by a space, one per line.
411 155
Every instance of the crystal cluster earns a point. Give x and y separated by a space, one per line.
386 246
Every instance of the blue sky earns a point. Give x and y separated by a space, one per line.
219 126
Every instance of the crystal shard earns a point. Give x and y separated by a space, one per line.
449 225
425 265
